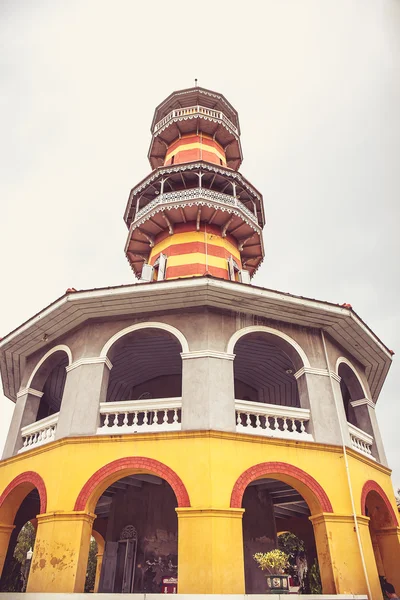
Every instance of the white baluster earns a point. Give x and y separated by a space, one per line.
145 419
155 420
267 423
258 422
294 430
175 415
135 418
115 422
276 424
302 426
248 420
165 418
106 420
238 418
285 425
125 421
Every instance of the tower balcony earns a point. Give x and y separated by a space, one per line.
182 121
209 197
195 110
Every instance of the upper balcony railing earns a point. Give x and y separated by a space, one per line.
272 420
195 111
361 441
199 193
165 414
140 416
39 433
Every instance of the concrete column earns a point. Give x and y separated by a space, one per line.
370 556
61 551
85 387
5 534
366 420
99 562
208 397
388 539
315 392
25 412
339 556
210 551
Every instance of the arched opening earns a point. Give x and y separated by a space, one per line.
45 391
383 528
356 409
20 503
145 384
278 498
135 501
266 391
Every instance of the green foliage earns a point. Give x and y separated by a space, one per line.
13 579
91 567
274 561
293 547
312 581
25 541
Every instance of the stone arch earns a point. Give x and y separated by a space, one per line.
16 491
372 486
357 382
288 341
146 325
122 467
60 348
305 484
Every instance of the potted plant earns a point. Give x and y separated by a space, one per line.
274 563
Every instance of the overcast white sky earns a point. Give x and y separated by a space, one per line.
317 87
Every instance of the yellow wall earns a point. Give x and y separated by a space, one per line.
209 532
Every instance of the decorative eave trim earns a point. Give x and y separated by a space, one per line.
92 360
195 165
30 391
363 401
163 203
315 371
207 354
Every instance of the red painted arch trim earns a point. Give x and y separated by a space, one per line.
278 468
372 486
27 477
138 462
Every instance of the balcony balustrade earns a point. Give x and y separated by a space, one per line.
272 420
140 416
39 433
196 111
225 201
361 441
149 416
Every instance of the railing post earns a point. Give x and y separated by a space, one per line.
24 414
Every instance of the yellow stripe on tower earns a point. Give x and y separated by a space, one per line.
194 146
196 236
197 257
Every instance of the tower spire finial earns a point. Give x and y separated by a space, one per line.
195 82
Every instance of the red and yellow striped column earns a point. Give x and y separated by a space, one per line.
190 252
193 147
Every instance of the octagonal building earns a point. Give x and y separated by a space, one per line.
186 420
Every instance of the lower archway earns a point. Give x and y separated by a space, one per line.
277 498
22 500
384 532
134 501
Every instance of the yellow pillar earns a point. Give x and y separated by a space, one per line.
388 539
61 552
339 554
210 551
370 557
5 534
99 562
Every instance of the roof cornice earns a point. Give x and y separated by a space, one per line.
73 309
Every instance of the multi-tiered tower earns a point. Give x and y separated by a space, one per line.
195 214
185 421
